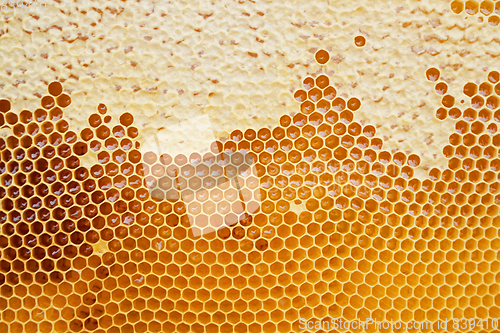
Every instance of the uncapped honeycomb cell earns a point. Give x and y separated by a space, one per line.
322 57
360 41
312 218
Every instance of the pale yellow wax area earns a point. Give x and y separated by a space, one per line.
240 61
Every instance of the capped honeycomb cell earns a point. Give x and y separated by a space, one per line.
322 57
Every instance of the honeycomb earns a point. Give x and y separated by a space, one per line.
335 225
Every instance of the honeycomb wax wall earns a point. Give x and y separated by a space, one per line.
354 175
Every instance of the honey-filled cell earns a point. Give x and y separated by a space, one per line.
322 56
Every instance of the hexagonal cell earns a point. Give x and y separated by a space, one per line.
493 76
300 96
441 113
486 8
329 93
322 81
322 57
432 74
48 102
471 7
457 6
454 113
307 107
477 102
462 127
492 102
323 106
315 95
441 88
470 89
469 139
359 41
448 101
4 105
485 89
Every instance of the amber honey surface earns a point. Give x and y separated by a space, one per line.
356 175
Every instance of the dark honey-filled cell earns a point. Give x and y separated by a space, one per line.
102 108
322 81
55 88
353 104
322 57
470 89
11 118
441 88
26 116
48 102
4 105
457 6
63 100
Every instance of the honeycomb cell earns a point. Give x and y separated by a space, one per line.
494 20
471 7
441 113
432 74
48 102
448 101
300 96
353 104
441 88
359 41
492 103
315 95
95 120
470 89
126 119
329 93
4 105
493 76
486 7
55 89
322 57
485 89
477 102
457 6
322 81
11 118
26 116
